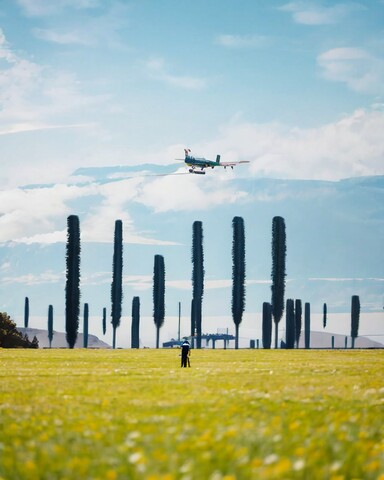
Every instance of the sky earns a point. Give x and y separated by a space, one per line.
295 88
95 83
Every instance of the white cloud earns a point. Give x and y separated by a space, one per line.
33 97
65 37
157 69
340 279
115 197
30 216
188 193
42 8
6 266
86 29
309 13
38 215
33 279
356 67
5 50
48 238
352 146
145 282
138 282
242 41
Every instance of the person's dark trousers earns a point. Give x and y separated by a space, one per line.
184 358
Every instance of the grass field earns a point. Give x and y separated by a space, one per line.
246 414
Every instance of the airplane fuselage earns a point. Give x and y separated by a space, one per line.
200 162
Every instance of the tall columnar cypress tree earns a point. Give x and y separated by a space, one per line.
298 321
104 321
26 312
117 279
307 325
238 274
279 250
158 295
355 318
290 324
197 277
85 327
267 325
324 315
72 287
135 328
50 325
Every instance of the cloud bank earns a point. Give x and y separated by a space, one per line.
352 146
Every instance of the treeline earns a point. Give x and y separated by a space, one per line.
10 337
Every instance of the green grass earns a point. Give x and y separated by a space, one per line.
247 414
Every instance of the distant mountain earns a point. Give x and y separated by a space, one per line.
324 340
317 340
59 339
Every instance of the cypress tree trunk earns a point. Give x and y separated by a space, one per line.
238 274
117 279
279 250
267 325
197 277
290 324
85 328
72 287
26 312
104 321
307 325
158 295
50 325
298 322
135 329
355 318
324 315
193 324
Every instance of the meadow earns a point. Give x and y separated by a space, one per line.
246 414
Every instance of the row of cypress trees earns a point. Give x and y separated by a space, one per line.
238 278
271 310
72 289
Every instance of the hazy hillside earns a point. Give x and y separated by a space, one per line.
318 340
324 340
59 339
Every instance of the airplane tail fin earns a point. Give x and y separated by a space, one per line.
218 158
187 151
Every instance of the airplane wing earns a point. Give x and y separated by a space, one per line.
232 164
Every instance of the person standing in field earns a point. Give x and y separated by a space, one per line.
185 352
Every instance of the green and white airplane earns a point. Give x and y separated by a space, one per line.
199 164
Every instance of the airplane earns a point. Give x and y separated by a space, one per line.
195 163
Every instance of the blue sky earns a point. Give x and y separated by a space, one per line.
296 88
